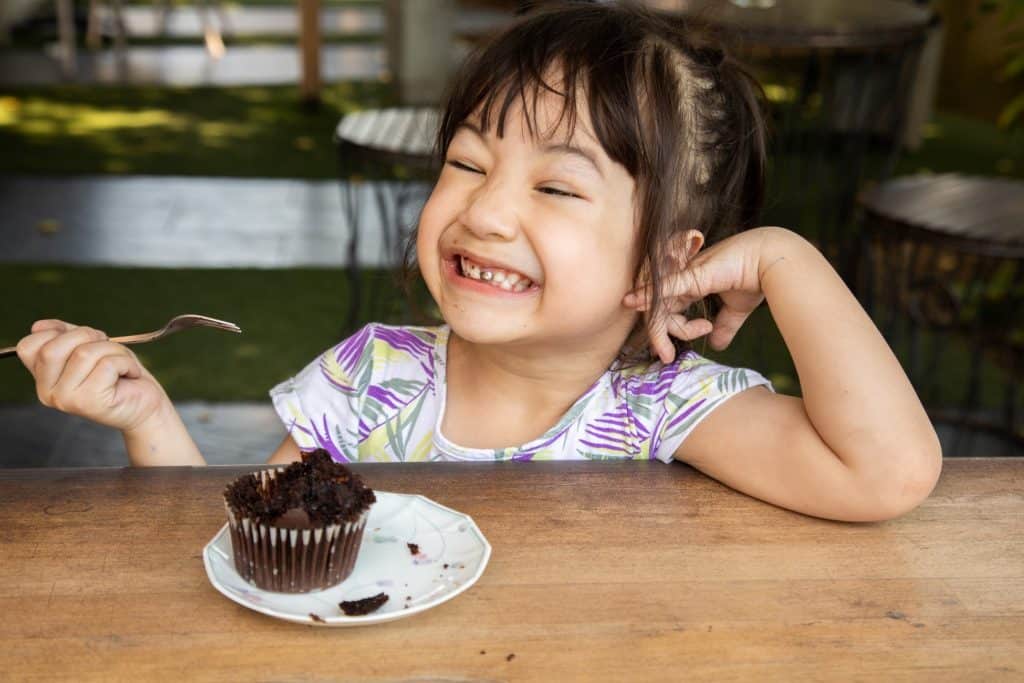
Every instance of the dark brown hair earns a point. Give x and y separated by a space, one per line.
666 102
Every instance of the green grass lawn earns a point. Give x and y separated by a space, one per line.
245 131
287 317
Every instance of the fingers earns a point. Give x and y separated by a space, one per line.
99 365
47 356
727 324
688 330
661 329
108 364
683 287
659 340
42 332
50 324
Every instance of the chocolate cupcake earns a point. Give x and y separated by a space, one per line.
298 528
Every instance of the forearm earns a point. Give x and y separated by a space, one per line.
855 392
162 440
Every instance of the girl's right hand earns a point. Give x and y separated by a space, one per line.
79 371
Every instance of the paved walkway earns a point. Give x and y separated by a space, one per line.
226 433
161 221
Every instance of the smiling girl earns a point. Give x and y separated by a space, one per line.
589 153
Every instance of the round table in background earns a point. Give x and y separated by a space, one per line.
943 276
393 144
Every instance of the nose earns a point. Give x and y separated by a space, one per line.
490 211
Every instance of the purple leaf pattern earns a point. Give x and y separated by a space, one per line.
378 396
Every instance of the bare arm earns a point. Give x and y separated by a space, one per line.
858 445
162 440
287 452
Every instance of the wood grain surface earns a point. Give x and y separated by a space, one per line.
600 571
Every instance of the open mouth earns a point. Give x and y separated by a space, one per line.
508 280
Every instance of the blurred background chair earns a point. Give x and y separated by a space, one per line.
943 276
394 143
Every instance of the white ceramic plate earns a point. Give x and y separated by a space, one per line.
452 556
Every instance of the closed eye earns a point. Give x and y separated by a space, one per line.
463 167
553 191
557 193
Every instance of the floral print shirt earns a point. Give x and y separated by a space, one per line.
379 396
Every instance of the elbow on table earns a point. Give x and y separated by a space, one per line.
908 485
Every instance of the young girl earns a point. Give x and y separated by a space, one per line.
589 151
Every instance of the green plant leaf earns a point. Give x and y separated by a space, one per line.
1013 68
1011 111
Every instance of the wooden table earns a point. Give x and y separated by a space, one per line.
625 571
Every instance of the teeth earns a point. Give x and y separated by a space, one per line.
510 282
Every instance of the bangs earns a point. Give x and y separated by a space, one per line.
537 57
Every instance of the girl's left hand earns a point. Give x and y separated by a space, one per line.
732 268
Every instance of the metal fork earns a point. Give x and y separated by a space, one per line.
175 324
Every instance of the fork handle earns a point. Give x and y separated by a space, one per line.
132 339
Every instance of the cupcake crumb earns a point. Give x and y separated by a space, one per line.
510 657
483 652
317 618
413 548
357 608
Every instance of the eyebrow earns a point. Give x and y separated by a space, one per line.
556 148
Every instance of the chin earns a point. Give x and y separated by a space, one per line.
485 328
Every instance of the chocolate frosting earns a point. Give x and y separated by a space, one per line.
313 493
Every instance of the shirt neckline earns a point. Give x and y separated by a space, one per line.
454 450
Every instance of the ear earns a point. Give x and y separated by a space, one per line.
685 245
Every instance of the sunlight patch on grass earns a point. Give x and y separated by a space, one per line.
38 116
931 131
9 107
88 121
776 92
221 134
37 128
48 277
245 131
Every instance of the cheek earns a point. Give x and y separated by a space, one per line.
431 225
598 270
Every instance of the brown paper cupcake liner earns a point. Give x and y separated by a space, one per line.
295 560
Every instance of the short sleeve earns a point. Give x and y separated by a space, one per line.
689 390
320 406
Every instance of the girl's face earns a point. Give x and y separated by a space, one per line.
530 239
